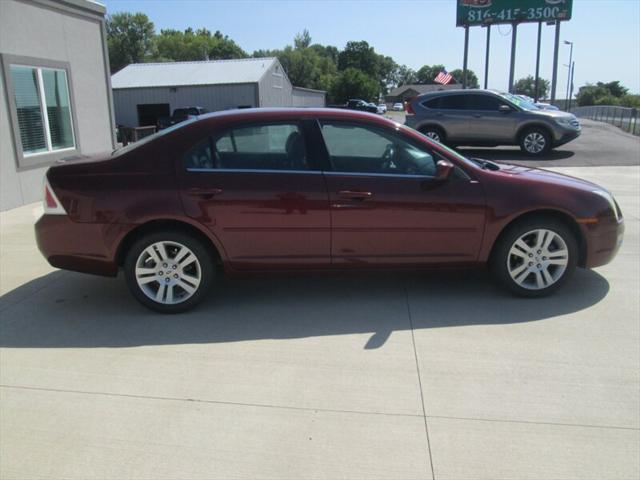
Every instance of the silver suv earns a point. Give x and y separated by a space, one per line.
489 118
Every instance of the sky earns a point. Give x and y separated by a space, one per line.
605 33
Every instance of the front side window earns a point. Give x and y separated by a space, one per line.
43 109
485 102
362 149
278 146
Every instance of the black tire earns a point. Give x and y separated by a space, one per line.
502 261
204 267
531 138
435 133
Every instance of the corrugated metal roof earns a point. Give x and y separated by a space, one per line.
175 74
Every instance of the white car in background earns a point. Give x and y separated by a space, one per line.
382 108
546 106
398 107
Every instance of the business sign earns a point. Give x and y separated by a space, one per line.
487 12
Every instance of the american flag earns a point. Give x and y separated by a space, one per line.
443 77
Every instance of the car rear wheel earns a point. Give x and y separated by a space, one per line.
433 133
535 142
535 258
169 272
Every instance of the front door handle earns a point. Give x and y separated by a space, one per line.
206 193
355 194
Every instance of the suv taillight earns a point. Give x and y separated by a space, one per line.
408 108
52 205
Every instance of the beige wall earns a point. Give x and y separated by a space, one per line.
58 31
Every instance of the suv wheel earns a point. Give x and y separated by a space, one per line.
434 133
169 272
535 142
534 258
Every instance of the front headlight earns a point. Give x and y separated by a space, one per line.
614 206
567 122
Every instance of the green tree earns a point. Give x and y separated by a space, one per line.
472 78
601 93
130 38
353 83
405 76
527 86
427 73
302 40
193 45
361 56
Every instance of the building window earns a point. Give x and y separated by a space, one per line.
43 109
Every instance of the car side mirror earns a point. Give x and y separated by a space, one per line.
443 169
504 109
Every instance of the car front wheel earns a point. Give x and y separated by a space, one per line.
534 258
535 142
168 272
433 133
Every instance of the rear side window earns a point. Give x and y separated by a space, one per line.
453 102
434 103
278 146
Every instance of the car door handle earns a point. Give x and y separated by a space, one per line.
205 193
355 195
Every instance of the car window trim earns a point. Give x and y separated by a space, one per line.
251 170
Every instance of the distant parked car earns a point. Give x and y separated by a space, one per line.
357 104
546 106
180 115
490 118
382 108
398 107
314 189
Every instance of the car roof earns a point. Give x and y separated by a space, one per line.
457 91
258 114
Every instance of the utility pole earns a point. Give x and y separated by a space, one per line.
536 97
466 56
514 36
486 58
568 73
554 77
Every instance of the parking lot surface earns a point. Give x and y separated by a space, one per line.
405 375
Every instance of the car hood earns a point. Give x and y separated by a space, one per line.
547 176
552 114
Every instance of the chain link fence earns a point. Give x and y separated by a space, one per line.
623 117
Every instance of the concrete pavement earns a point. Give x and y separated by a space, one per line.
439 375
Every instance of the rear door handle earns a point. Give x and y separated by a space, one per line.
205 193
355 195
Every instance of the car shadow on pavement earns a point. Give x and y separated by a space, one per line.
69 310
513 154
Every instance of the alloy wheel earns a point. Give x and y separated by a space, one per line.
433 135
168 272
534 142
538 259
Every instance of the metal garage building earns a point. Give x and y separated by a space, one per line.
143 92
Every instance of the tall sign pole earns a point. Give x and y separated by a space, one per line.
536 96
514 35
569 72
466 56
554 77
486 58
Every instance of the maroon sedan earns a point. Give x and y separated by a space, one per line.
314 189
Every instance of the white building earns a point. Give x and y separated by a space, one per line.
143 92
56 101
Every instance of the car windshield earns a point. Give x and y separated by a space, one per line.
151 138
519 101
